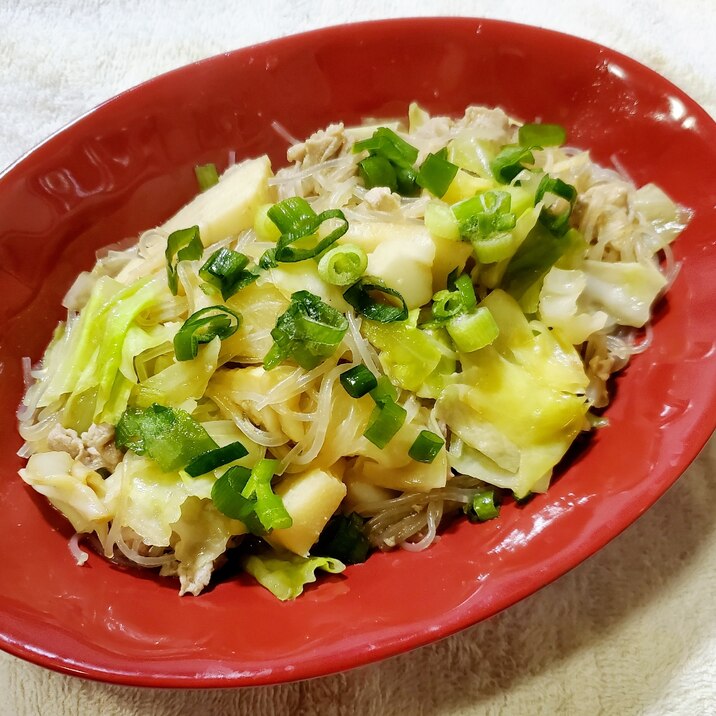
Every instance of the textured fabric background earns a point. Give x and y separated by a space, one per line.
632 630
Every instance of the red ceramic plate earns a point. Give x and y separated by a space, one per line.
128 164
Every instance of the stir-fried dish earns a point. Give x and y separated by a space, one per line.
410 321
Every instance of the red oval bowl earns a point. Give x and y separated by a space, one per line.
128 164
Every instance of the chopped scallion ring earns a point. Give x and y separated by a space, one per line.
308 332
483 506
358 381
472 331
227 498
385 142
290 215
202 327
265 229
285 253
342 265
466 288
486 221
511 161
296 220
247 495
426 446
182 245
496 247
542 135
226 270
447 304
208 461
268 506
390 162
378 171
206 176
384 391
360 296
436 174
555 217
385 421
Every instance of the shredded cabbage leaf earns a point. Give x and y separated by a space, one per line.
285 576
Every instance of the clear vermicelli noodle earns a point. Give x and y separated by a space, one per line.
411 322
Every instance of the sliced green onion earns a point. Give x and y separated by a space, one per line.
426 446
268 259
407 150
227 498
206 176
440 221
436 174
343 538
308 332
182 245
486 220
378 171
202 327
358 381
384 422
265 229
472 331
285 253
210 460
225 269
386 143
554 219
390 162
407 181
360 296
496 247
384 391
511 161
542 135
269 507
467 290
540 250
485 214
342 265
291 214
168 435
248 496
483 506
447 304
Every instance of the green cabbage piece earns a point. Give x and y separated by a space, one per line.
139 342
407 354
519 403
560 306
76 491
529 344
85 366
285 575
181 381
418 360
625 290
150 498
